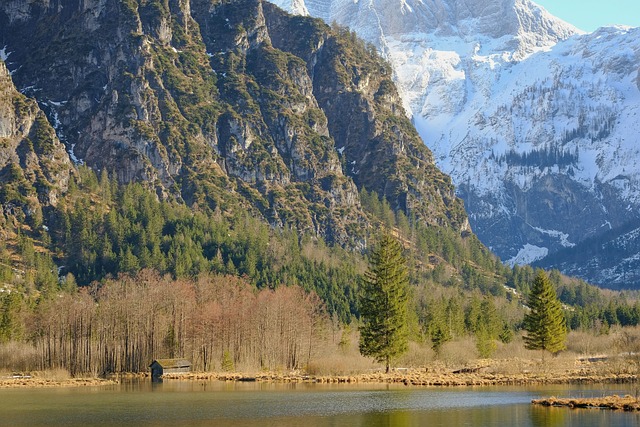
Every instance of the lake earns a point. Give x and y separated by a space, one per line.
207 403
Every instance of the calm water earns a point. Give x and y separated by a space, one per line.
177 403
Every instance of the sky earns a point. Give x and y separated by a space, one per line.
588 15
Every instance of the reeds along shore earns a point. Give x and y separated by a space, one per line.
407 377
620 403
414 377
20 382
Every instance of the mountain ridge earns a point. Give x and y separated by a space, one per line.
198 100
490 104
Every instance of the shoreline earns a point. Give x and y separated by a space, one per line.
37 382
615 402
436 377
410 378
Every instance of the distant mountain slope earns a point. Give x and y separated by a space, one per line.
536 123
216 103
611 258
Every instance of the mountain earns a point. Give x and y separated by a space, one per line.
535 121
34 166
610 258
211 139
234 106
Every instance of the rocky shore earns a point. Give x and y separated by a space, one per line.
620 403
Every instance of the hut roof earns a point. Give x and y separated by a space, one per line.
172 363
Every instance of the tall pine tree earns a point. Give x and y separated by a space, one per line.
545 323
383 301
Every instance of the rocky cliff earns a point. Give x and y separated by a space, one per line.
34 167
226 104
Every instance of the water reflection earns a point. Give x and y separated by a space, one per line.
193 403
548 417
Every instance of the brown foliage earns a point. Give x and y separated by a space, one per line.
125 323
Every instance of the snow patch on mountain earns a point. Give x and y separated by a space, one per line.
562 237
4 55
527 255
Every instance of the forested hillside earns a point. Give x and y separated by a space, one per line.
159 278
228 105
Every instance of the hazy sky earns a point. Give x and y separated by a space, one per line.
591 14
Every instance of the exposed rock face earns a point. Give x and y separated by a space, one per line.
380 151
34 167
217 103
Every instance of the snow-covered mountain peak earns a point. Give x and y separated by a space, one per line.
524 21
297 7
441 44
536 122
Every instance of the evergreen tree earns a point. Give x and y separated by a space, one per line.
488 328
485 343
10 325
383 303
545 323
439 328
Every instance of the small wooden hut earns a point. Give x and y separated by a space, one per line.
160 367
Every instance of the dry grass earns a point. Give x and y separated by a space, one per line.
460 352
335 358
418 355
589 344
57 374
339 364
580 360
625 403
20 357
539 366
